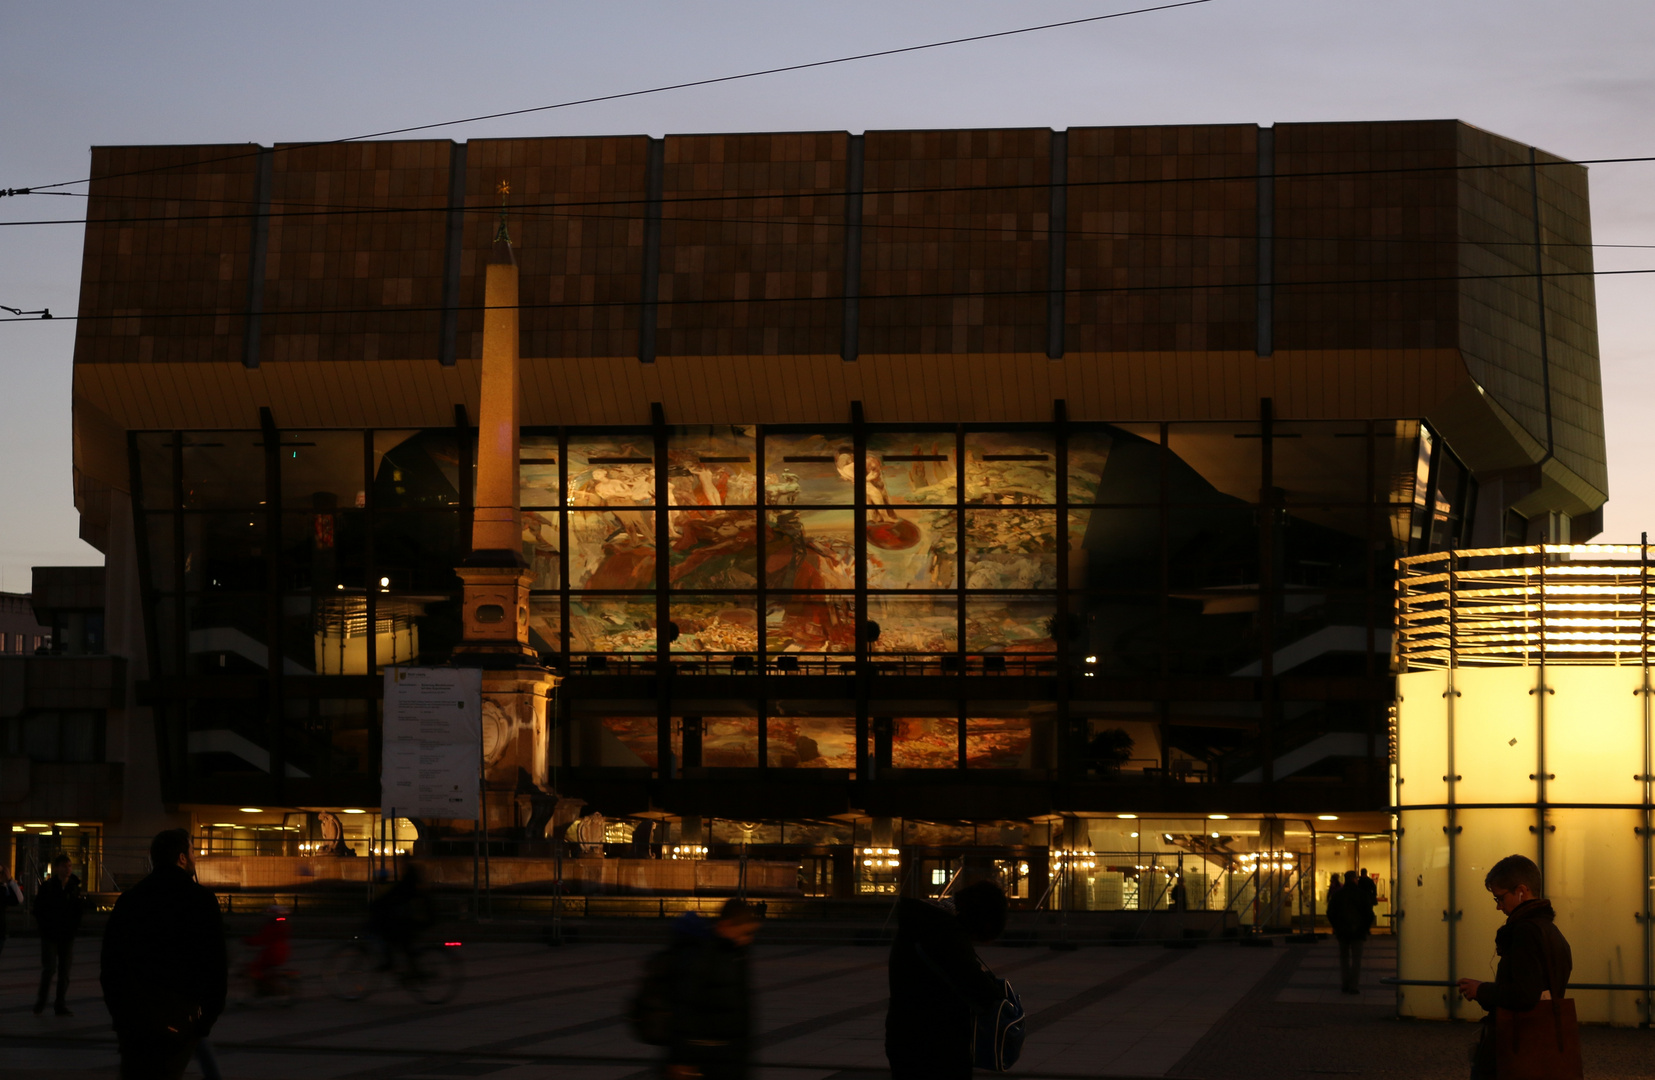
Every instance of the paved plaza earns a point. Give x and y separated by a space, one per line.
530 1010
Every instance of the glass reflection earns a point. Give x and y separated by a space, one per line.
546 624
540 549
803 470
712 466
809 742
636 735
917 550
322 469
223 469
1115 548
612 549
997 743
225 551
1115 463
714 549
925 743
616 470
1013 548
416 469
611 624
810 623
810 549
907 469
715 624
915 624
1010 467
155 450
537 467
1222 457
730 742
1010 624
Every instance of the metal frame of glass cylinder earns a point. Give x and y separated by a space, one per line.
1523 726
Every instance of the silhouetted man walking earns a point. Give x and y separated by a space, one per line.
164 967
57 911
1351 913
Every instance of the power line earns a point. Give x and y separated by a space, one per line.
690 84
267 313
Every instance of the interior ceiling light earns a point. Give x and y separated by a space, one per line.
353 810
1215 836
67 824
251 810
1327 817
1127 817
1218 817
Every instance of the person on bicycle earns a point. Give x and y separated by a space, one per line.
272 942
398 916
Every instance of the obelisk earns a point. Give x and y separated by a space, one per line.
516 686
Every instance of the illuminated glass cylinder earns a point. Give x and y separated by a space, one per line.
1523 726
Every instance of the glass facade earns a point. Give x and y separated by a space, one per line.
1134 565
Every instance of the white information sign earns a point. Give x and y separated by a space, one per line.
433 736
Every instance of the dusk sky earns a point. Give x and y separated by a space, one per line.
1576 79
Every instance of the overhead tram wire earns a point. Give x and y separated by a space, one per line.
326 210
544 212
691 84
1101 290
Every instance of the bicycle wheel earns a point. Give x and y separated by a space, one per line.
348 971
437 975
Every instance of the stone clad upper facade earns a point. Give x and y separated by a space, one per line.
1421 269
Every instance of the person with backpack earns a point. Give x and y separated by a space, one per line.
939 988
165 971
696 997
1534 966
57 910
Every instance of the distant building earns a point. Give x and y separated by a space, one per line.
885 491
62 725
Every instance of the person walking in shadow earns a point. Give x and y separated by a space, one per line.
11 895
165 972
1351 912
711 997
938 984
57 910
1535 960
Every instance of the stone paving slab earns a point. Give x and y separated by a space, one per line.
533 1011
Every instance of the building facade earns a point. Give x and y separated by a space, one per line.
971 488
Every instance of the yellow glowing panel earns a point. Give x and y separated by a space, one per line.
1421 897
1594 874
1422 737
1594 735
1496 747
1486 837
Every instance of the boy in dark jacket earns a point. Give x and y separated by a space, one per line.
938 984
1535 962
165 972
57 911
712 1013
